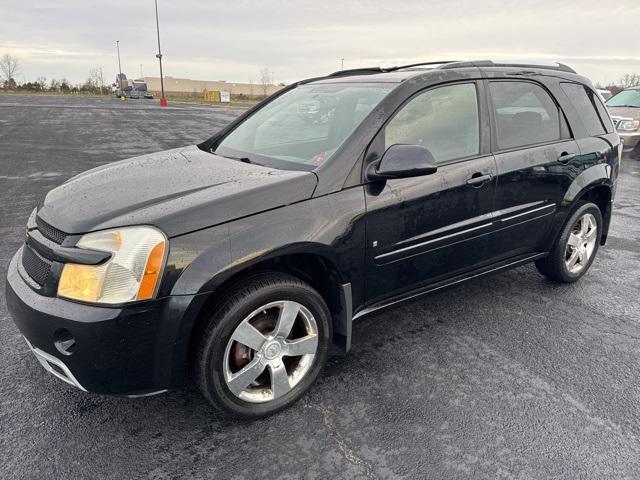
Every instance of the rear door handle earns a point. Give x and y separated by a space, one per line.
478 179
566 157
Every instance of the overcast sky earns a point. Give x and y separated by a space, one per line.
209 40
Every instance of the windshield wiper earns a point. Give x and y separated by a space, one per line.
241 159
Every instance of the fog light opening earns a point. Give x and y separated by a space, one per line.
64 341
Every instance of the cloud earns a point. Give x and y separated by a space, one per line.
233 40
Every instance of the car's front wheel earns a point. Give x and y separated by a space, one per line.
264 346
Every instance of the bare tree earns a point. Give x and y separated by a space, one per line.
630 80
10 66
96 80
265 79
42 83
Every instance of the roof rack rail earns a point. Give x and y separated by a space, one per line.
421 64
357 71
489 63
374 70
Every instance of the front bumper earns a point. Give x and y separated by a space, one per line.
133 350
629 141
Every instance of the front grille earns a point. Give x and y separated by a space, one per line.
36 266
50 232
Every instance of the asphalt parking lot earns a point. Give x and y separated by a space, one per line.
505 377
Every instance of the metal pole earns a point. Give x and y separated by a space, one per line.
159 56
119 65
342 64
141 71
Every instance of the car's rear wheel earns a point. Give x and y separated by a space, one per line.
264 346
576 247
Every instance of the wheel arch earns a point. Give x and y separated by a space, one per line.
593 185
313 264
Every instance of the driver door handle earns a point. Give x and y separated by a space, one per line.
566 157
478 179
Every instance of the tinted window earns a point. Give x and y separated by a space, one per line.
444 120
525 114
584 102
603 113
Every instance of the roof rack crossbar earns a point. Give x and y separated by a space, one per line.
488 63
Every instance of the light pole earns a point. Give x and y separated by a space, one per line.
119 65
141 71
163 101
342 64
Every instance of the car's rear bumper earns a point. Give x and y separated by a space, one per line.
133 350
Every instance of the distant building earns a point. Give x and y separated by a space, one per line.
186 85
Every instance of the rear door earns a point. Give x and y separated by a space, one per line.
423 229
535 154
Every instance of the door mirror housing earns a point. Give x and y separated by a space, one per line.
402 161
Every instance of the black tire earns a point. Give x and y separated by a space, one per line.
554 266
237 303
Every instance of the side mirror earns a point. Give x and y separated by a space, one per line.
402 161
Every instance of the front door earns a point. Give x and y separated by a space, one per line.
424 229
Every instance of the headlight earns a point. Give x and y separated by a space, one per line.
132 273
629 125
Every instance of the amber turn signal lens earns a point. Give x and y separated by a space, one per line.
152 272
81 282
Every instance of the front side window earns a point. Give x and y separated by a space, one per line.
444 120
303 127
525 114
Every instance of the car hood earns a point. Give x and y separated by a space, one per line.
178 191
625 112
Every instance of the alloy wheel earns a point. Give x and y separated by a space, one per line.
581 243
270 351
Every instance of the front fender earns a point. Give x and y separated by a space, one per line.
327 226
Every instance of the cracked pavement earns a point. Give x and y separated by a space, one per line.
508 376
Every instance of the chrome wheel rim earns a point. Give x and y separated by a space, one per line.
581 243
270 351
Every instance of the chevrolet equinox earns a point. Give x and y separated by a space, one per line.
243 261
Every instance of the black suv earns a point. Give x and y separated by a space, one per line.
242 261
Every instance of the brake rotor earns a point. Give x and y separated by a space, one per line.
241 354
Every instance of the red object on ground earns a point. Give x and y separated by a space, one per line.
164 102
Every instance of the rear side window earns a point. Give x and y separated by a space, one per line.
586 104
525 114
445 120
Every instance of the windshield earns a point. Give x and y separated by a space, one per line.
626 98
304 127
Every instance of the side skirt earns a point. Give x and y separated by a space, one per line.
447 283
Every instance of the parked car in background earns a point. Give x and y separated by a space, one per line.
148 95
134 94
625 113
245 259
605 94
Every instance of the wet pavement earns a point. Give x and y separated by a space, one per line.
508 376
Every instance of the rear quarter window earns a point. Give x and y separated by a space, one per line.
593 114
